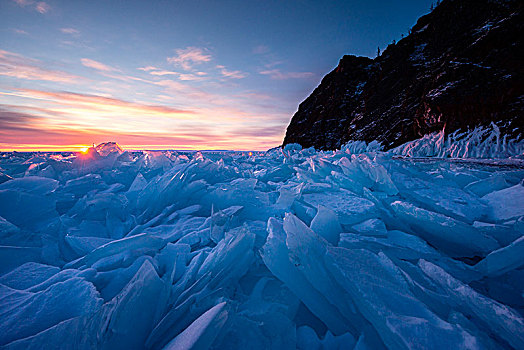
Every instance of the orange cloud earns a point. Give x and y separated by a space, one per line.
96 101
25 134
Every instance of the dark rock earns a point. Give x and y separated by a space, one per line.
461 67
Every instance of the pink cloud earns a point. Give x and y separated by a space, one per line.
20 31
279 75
42 7
97 65
191 77
148 68
188 57
163 72
24 3
236 74
18 66
71 31
181 76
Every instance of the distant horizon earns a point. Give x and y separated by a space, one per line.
78 149
188 75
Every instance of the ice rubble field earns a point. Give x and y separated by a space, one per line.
354 249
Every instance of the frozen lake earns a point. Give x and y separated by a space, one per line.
282 249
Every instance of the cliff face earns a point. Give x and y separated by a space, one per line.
461 66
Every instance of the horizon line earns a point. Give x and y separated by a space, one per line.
78 148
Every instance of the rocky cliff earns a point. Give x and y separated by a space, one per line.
461 66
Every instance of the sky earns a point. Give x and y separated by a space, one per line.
178 74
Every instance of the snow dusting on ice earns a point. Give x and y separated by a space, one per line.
420 247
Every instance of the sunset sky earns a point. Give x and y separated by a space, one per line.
175 74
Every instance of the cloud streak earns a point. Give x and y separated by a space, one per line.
198 76
148 68
103 103
20 67
71 31
25 131
20 31
277 74
235 74
97 65
40 6
188 57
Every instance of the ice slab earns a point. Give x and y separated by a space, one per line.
85 245
381 294
448 234
25 314
31 184
12 257
307 339
507 203
28 275
276 257
493 183
501 319
106 148
201 333
349 208
115 247
134 312
325 223
81 185
371 227
7 229
503 260
27 210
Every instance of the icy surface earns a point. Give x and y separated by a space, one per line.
286 249
479 143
